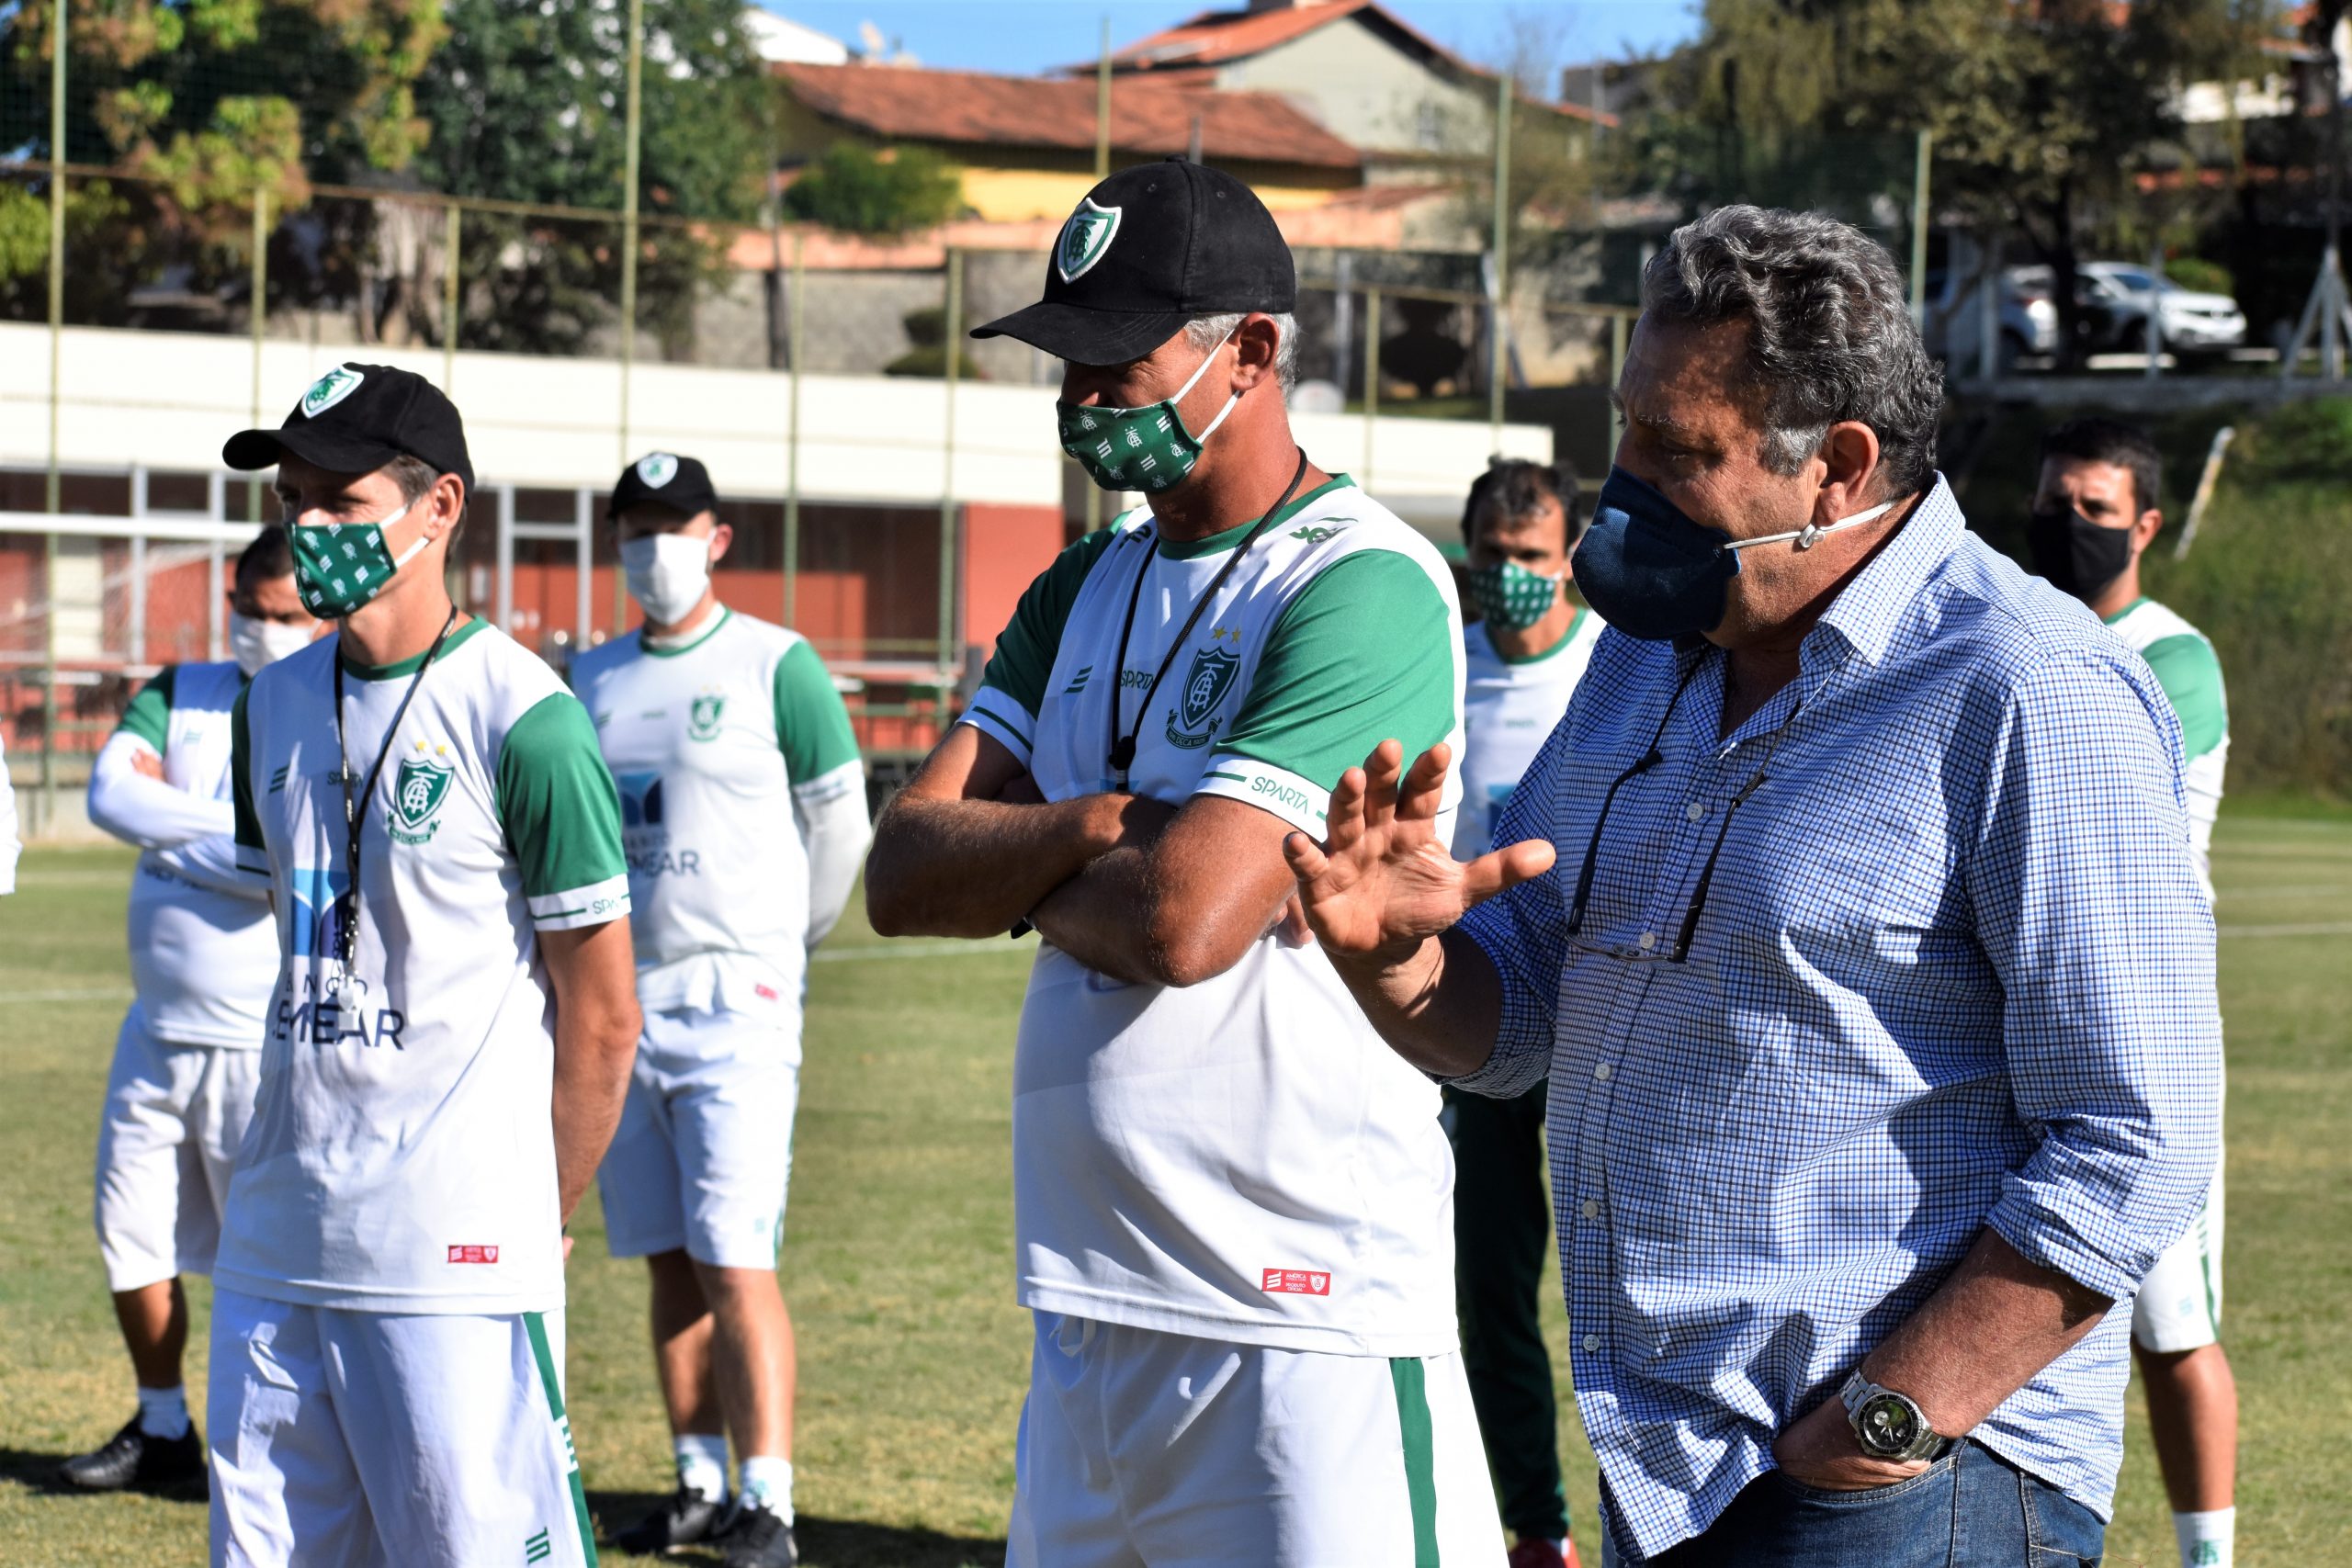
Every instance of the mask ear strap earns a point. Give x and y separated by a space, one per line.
1203 368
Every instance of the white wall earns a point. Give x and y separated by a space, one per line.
169 399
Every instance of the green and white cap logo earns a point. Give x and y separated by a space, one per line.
1085 238
330 389
657 468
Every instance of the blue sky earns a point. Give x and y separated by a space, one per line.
1027 36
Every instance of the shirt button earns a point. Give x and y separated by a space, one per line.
1647 940
1601 1071
1591 1210
1696 809
1592 1341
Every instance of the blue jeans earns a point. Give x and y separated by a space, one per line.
1970 1509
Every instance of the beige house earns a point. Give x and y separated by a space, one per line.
1415 110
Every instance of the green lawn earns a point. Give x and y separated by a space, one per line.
897 1258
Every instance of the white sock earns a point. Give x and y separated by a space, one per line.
767 1480
702 1465
2206 1539
163 1412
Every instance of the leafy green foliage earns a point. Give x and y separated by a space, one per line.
890 192
2204 276
2044 116
506 124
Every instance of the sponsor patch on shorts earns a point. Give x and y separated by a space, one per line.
476 1254
1295 1283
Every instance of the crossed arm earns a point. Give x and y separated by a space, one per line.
1128 885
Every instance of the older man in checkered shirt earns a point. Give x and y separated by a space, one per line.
1852 911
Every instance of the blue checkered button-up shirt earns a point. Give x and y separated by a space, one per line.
1954 969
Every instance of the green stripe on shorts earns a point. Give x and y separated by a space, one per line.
1420 1460
535 1324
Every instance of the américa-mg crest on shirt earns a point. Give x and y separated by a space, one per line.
418 786
1192 720
704 715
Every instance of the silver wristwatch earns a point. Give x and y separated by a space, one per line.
1888 1424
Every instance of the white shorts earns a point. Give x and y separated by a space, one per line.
175 1115
361 1438
704 1151
2179 1304
1140 1447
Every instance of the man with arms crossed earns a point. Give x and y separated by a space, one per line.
1852 911
2094 515
719 731
203 961
1525 653
449 1041
1231 1203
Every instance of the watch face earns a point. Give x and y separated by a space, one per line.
1887 1425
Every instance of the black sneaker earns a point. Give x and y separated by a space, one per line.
686 1519
757 1537
130 1459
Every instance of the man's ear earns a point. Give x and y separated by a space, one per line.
2145 529
721 537
445 504
1256 342
1848 456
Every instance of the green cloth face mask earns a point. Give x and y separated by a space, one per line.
1147 448
1511 597
340 566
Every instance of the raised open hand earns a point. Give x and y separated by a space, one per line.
1382 883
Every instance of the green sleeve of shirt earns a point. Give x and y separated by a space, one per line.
251 848
1364 653
2186 669
812 722
1024 661
556 801
149 716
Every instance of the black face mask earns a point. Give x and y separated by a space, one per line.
2078 556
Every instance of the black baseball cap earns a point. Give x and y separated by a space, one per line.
357 418
1147 250
664 479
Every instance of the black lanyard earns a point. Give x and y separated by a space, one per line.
1122 747
347 921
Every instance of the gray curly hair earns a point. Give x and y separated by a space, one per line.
1830 335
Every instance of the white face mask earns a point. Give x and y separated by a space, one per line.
668 573
254 643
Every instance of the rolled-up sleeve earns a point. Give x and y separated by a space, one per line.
2088 905
1523 933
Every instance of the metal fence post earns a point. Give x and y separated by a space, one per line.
60 32
135 634
948 649
1920 229
628 210
583 519
1618 333
1498 354
259 311
504 598
1371 379
792 446
452 218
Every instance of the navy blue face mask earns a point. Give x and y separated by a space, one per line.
1653 573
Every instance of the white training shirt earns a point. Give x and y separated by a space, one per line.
1509 708
203 948
401 1156
2186 666
1243 1159
728 749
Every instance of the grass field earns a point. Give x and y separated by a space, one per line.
898 1260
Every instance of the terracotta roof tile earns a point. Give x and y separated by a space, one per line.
970 108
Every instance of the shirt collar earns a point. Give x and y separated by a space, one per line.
1866 614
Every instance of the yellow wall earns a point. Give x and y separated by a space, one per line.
1008 195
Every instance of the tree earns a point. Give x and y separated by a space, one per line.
527 102
205 102
2045 113
888 192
